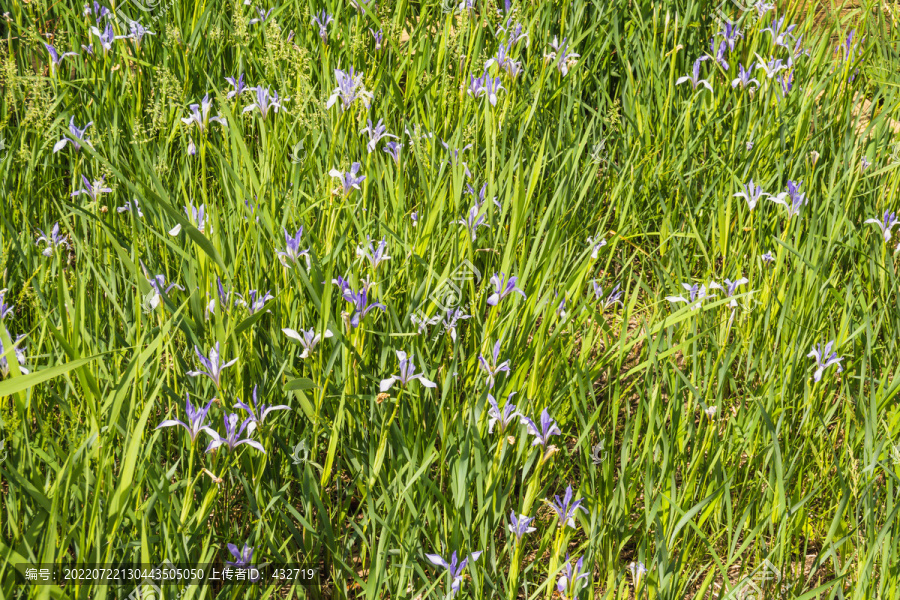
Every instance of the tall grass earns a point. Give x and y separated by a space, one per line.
798 473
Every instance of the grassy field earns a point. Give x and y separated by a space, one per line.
690 386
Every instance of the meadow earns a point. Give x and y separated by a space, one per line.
515 300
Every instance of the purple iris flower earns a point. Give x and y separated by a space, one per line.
423 321
136 32
196 416
502 288
731 34
414 216
361 306
885 224
492 370
379 38
541 435
514 32
292 252
744 78
771 68
730 288
89 49
797 198
158 283
570 579
92 189
200 115
476 86
637 570
696 295
242 558
98 11
694 77
849 47
106 37
258 413
265 101
614 297
224 298
375 133
20 357
762 7
309 339
787 84
131 206
520 526
780 35
233 434
454 159
561 56
717 53
407 374
453 316
767 257
349 180
213 365
349 88
824 359
374 255
322 19
455 567
864 163
480 196
5 308
595 243
254 302
752 193
263 16
505 416
393 149
473 222
52 241
363 5
77 137
501 58
797 52
55 57
238 85
565 508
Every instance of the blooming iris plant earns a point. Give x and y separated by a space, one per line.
77 138
376 133
503 287
265 101
374 255
565 508
349 180
309 339
694 77
233 434
292 252
570 580
696 295
886 223
53 240
407 374
349 89
360 303
55 57
322 19
200 115
614 297
213 365
744 78
92 190
752 193
503 416
825 358
196 416
520 525
492 370
238 86
455 567
20 357
543 433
